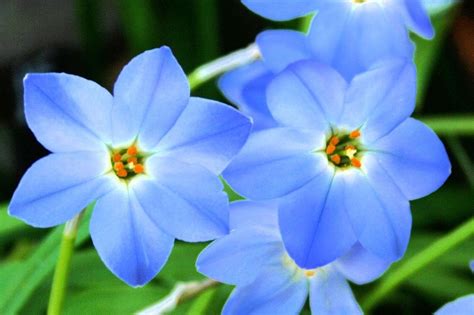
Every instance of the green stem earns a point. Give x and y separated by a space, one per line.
411 266
58 289
461 125
221 65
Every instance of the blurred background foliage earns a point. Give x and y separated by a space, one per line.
95 38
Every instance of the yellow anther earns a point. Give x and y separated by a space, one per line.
309 273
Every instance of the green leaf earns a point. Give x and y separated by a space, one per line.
10 226
202 302
451 125
113 300
36 269
181 264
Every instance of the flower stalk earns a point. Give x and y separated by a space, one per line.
413 265
61 273
221 65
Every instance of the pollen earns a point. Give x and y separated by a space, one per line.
309 273
344 149
132 150
122 173
138 168
330 148
354 134
336 159
356 163
128 162
117 157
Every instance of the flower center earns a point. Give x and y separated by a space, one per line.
288 262
343 150
127 162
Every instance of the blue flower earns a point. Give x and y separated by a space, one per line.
345 159
268 281
389 12
149 155
462 306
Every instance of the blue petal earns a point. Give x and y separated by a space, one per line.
275 291
274 162
331 294
67 113
414 158
208 133
185 200
379 100
281 48
281 10
59 186
243 214
307 95
360 266
149 95
461 306
128 242
417 18
313 222
344 36
246 87
238 258
379 212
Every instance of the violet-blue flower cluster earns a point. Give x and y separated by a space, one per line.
268 281
150 155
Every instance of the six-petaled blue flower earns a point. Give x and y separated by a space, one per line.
461 306
345 159
268 281
353 34
149 155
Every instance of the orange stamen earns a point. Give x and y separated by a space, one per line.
133 160
138 168
334 140
309 273
122 173
117 157
336 159
118 166
354 134
132 150
330 149
356 163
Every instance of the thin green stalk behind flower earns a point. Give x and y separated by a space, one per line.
410 267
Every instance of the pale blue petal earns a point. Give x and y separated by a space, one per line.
307 95
208 133
128 242
275 291
67 113
344 36
360 266
281 48
414 158
379 212
238 258
330 294
379 100
275 162
461 306
417 18
246 88
59 186
313 222
243 214
149 96
281 10
185 200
